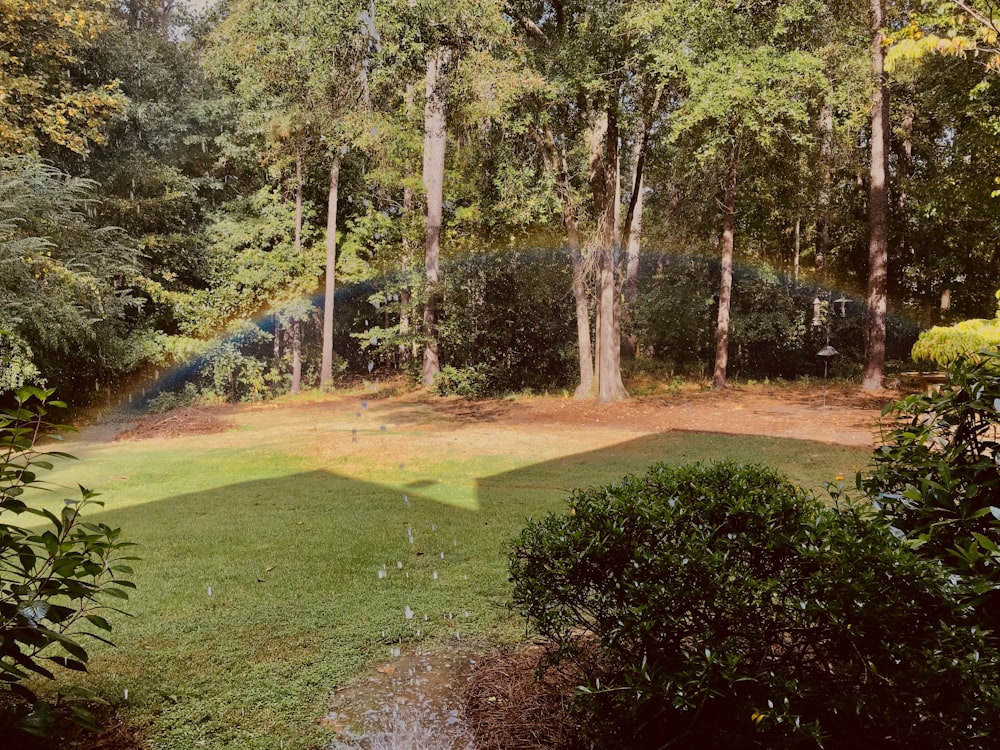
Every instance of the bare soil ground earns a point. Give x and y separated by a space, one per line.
842 415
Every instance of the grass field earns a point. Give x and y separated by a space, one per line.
259 588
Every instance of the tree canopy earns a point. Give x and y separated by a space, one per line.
170 175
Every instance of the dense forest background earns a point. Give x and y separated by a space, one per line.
489 195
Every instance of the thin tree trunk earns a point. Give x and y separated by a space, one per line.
633 223
797 249
297 324
326 366
556 162
434 154
407 350
296 336
727 246
878 213
825 184
609 386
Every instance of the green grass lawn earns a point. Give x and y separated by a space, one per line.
290 541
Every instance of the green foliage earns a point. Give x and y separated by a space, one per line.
56 580
16 367
771 334
945 345
45 103
464 381
935 476
234 368
64 282
508 316
720 606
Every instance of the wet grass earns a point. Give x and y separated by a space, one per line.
273 572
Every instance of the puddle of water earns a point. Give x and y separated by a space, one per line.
409 703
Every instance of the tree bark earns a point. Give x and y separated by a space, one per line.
434 153
609 386
296 326
326 366
407 350
878 212
797 249
825 184
633 224
556 162
727 245
295 333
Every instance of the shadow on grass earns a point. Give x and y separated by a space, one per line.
258 599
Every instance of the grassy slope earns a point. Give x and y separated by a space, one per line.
252 665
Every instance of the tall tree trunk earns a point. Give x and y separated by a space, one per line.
633 224
878 212
407 350
295 333
727 245
556 162
297 324
326 366
609 386
796 249
434 153
825 183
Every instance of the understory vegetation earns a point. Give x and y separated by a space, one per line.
58 581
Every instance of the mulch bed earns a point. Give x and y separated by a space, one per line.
189 420
518 701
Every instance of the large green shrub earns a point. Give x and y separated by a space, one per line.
936 476
510 317
720 606
58 574
944 345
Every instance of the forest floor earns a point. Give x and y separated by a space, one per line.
838 414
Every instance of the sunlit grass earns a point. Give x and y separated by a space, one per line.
259 590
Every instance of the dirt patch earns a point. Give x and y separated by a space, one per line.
190 420
840 414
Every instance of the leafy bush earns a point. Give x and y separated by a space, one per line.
234 368
944 345
720 606
936 478
510 316
465 381
54 581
